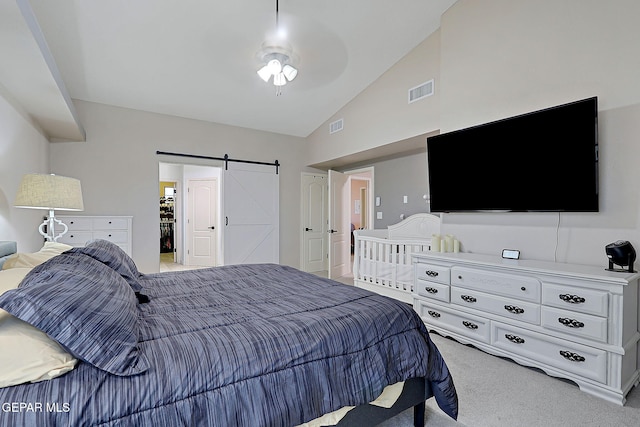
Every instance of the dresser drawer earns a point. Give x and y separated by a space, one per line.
78 223
471 326
437 291
576 324
112 236
582 300
578 359
107 223
433 273
509 285
507 307
76 238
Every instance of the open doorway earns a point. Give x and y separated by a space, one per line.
178 214
167 221
360 203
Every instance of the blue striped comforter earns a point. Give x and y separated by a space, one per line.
247 345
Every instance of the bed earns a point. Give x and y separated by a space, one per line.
242 345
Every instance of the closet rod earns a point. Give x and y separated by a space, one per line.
225 159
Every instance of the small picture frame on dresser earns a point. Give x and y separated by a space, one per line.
510 254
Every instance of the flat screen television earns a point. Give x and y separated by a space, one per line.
544 161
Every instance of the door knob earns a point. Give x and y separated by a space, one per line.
308 229
333 231
212 228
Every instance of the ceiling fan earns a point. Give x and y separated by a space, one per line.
277 57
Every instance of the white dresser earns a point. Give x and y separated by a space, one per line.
572 321
116 229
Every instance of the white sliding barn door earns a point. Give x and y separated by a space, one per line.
339 225
251 220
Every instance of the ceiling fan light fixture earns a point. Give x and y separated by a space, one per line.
276 57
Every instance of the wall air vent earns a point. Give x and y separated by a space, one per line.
422 91
336 126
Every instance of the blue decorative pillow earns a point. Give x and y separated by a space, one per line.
113 256
86 307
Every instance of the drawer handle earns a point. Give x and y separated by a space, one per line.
570 323
514 309
431 273
431 290
469 325
434 314
514 338
574 357
573 299
468 298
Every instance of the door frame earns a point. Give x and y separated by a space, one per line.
357 173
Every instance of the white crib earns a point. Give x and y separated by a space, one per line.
382 258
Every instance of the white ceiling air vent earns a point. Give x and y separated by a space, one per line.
336 126
422 91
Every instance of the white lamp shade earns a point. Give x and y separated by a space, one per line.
289 72
274 66
279 79
41 191
264 73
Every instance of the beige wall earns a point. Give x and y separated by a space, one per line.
118 167
504 57
23 149
381 114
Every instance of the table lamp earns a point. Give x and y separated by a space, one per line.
50 192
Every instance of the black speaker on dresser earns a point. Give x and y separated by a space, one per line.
621 253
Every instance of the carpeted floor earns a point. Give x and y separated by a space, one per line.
496 392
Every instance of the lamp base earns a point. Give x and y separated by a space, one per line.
50 223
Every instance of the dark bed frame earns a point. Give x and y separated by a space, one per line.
413 395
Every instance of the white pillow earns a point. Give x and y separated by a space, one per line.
10 279
48 251
26 353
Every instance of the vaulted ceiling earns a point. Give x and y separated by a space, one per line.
198 58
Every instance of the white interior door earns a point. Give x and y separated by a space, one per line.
314 222
202 221
339 228
251 203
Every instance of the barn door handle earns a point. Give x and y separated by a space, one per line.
226 220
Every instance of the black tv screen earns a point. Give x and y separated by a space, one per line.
544 161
